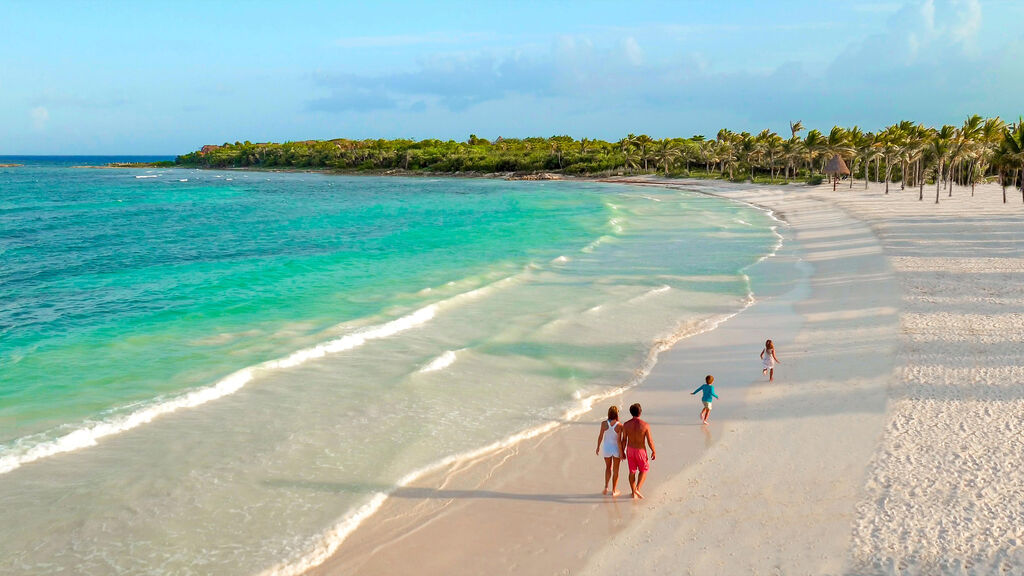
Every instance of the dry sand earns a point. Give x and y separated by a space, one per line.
892 440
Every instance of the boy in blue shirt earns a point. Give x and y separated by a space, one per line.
709 393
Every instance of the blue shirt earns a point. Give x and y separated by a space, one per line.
709 392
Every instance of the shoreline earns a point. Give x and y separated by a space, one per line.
620 178
459 503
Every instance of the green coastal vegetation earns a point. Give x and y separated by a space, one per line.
906 154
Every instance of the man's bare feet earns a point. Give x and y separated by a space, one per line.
605 491
704 422
637 495
615 493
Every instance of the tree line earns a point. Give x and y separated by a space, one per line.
906 153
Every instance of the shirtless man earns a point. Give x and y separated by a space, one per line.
634 433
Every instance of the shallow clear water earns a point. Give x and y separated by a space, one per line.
214 372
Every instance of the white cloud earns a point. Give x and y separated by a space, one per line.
968 20
40 116
634 53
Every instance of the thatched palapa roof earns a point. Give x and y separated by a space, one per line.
836 166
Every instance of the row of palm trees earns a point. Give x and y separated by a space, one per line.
911 154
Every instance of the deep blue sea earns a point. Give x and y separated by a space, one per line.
184 353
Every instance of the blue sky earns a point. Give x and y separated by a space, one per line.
165 78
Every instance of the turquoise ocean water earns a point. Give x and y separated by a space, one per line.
224 372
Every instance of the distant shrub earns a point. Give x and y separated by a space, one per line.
815 179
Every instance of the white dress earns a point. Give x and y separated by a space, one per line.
768 360
610 442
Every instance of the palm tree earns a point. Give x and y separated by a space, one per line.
969 144
869 150
814 144
632 156
914 149
667 153
1013 143
690 151
706 153
725 153
855 138
892 139
988 141
941 145
773 146
792 152
795 127
746 151
836 144
906 128
643 144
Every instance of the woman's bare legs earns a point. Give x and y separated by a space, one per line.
608 474
615 475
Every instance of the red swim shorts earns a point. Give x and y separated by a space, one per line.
637 459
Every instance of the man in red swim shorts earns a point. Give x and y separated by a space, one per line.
636 435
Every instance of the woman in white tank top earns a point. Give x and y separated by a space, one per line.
609 447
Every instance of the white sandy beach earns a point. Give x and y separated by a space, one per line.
891 441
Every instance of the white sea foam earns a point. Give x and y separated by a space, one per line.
560 260
32 448
147 176
590 247
440 363
25 450
653 292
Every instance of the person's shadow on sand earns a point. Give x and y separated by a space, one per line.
420 493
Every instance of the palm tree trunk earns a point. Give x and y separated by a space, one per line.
921 181
938 182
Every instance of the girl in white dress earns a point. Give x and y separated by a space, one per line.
609 447
769 360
